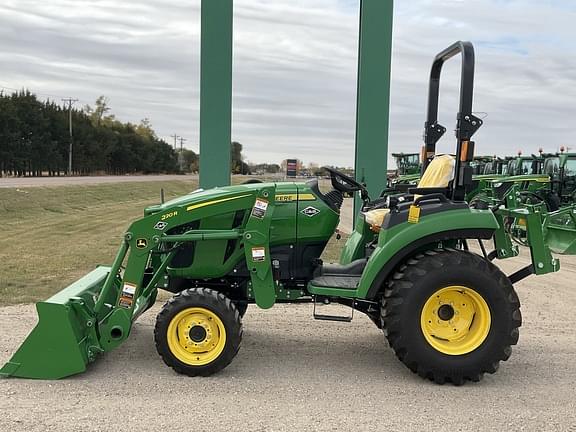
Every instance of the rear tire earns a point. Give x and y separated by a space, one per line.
451 316
198 332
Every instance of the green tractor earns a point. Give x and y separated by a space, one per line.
526 172
496 166
407 163
520 165
562 171
479 164
552 181
450 314
407 172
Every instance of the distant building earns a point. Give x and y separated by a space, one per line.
291 168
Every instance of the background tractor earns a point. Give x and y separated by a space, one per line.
450 314
479 163
407 163
553 182
562 171
407 172
497 166
523 165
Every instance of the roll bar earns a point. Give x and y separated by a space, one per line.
466 123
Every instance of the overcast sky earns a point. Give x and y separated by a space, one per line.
295 69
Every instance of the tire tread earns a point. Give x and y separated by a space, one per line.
417 268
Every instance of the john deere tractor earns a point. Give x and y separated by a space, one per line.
407 172
407 163
552 182
449 313
561 168
497 166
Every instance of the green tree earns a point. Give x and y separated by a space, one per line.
237 164
34 140
190 161
98 113
145 130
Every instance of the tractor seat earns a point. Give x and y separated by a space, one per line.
438 175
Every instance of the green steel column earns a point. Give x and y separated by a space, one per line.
373 99
215 92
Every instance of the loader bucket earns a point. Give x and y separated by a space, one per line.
561 231
561 240
63 342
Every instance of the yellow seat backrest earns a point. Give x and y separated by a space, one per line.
437 175
439 172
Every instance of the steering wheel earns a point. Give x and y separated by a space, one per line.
346 184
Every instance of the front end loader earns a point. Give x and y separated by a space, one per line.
449 313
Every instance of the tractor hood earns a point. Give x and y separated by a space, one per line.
200 196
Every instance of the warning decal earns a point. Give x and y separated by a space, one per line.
258 254
127 297
259 209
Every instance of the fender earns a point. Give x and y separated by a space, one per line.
398 243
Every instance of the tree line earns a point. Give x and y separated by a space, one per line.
34 140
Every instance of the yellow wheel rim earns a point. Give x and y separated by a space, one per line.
196 336
455 320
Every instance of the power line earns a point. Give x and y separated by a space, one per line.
175 139
181 155
70 102
182 142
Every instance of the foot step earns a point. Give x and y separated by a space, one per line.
333 318
339 318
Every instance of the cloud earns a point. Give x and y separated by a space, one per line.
295 68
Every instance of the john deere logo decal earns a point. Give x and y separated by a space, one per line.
310 211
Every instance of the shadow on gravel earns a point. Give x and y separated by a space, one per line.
269 354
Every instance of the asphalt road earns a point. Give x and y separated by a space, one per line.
296 374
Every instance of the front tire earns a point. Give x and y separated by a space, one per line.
198 332
451 316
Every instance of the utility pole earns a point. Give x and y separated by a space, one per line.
181 155
175 138
70 102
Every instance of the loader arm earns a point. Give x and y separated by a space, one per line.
95 314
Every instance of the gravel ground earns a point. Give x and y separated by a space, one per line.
297 374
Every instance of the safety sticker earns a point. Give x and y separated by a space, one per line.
141 243
258 254
160 226
414 214
127 296
259 209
